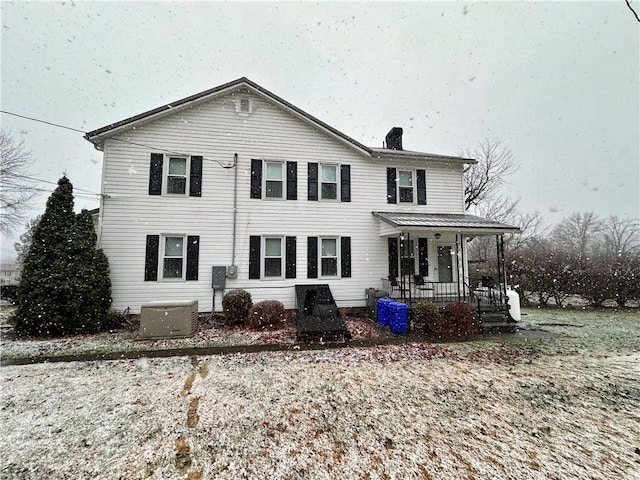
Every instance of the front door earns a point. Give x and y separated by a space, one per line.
445 264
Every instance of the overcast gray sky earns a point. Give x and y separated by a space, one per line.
557 82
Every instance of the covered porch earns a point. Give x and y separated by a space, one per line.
429 260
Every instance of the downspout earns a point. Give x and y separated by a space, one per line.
235 208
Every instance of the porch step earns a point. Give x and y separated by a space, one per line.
496 322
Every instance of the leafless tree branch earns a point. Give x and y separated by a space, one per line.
16 189
495 163
620 235
578 233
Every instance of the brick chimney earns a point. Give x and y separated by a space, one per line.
394 138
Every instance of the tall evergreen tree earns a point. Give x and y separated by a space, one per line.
92 282
65 286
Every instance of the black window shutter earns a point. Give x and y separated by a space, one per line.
422 187
292 181
423 257
345 257
155 174
345 183
312 257
254 256
195 180
193 255
151 258
290 257
312 180
256 180
393 257
391 185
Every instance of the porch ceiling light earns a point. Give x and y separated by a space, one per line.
437 235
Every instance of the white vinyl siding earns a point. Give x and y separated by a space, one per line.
216 131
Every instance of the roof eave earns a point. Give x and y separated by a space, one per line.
379 154
469 230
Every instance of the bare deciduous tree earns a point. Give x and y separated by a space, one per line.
578 233
16 188
484 179
620 235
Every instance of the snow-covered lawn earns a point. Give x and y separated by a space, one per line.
551 408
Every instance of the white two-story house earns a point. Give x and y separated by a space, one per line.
239 178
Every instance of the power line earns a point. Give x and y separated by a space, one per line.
41 121
223 165
634 12
55 183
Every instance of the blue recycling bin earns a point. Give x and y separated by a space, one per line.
398 317
383 310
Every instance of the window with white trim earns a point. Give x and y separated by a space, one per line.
328 182
329 257
173 255
177 172
405 186
273 257
274 180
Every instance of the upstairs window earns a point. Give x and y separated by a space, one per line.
177 175
405 186
323 181
328 182
273 180
268 179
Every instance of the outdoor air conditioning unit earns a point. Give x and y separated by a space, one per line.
168 319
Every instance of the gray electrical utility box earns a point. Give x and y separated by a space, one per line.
219 278
168 319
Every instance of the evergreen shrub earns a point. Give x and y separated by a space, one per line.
236 305
426 317
267 314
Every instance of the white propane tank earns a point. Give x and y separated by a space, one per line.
514 305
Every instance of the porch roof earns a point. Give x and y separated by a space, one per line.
443 222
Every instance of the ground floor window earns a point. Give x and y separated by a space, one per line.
273 257
171 257
328 257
